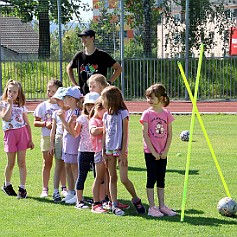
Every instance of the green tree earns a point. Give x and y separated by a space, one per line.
202 13
143 17
44 11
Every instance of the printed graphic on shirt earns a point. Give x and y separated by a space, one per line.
158 126
87 70
112 126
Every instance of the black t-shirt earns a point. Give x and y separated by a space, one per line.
87 65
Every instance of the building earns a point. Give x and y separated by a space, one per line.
164 51
18 40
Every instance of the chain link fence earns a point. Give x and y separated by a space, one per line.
147 37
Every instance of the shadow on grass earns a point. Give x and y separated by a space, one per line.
191 172
192 220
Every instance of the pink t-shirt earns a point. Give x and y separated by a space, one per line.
85 144
96 140
157 128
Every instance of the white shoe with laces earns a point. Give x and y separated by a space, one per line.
73 200
68 197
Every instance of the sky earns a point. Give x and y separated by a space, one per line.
86 16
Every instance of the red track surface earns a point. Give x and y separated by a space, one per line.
174 106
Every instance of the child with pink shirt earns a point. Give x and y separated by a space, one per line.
157 135
80 126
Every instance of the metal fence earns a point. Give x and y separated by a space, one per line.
218 77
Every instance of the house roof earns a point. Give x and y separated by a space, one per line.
18 36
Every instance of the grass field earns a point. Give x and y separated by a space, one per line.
41 217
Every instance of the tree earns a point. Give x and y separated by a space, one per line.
142 16
203 13
44 11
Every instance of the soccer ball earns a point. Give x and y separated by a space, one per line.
184 136
227 206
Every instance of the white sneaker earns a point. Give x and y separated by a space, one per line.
44 194
68 197
73 200
64 193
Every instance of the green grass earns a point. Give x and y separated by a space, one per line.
41 217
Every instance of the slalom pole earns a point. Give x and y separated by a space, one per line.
204 131
191 132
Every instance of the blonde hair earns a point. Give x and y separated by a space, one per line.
98 78
21 99
160 92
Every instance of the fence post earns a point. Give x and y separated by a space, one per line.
60 40
122 43
186 45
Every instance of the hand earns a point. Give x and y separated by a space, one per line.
61 113
10 100
123 159
48 125
31 145
51 150
163 155
157 156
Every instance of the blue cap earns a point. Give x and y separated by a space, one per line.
73 91
59 94
91 97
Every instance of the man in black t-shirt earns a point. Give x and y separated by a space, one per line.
90 61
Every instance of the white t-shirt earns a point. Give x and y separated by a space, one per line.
45 111
16 120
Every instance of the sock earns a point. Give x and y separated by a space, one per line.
136 199
56 190
22 186
7 183
64 188
114 204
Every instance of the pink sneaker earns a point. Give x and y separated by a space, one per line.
98 209
154 211
167 211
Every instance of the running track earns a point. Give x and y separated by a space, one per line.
176 107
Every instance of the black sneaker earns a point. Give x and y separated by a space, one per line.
9 190
139 207
22 193
56 197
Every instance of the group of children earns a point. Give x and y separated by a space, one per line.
83 132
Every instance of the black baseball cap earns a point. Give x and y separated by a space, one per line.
87 33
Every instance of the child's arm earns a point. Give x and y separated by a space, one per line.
52 137
148 141
95 131
74 127
39 123
6 113
123 156
168 142
25 117
103 144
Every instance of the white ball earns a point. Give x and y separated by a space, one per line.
184 136
227 206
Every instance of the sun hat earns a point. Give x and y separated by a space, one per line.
91 97
87 32
73 91
59 94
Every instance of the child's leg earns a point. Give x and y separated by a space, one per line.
113 178
74 168
70 178
126 182
21 159
100 171
47 165
11 158
150 196
161 197
59 167
63 176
